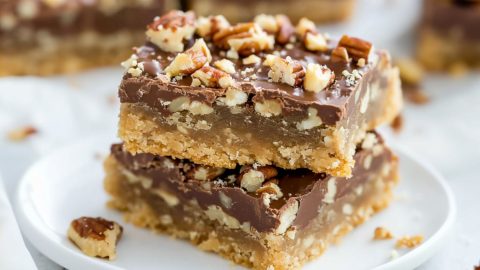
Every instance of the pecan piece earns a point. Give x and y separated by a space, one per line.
212 77
285 29
252 178
271 187
170 30
204 173
192 59
96 237
208 26
356 48
318 78
285 70
244 39
340 54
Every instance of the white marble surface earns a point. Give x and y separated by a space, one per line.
445 131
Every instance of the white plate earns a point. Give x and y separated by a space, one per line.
68 184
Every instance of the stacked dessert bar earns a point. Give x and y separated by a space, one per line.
253 140
42 37
450 34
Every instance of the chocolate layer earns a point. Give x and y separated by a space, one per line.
71 17
333 103
460 18
309 189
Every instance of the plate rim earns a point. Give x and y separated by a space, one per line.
40 238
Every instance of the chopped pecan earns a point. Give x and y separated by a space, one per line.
318 78
96 237
285 70
208 26
340 54
252 178
169 31
204 173
267 23
271 187
315 42
20 134
212 77
285 29
244 39
190 61
356 48
305 26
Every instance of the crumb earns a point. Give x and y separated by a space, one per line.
96 237
397 124
112 99
394 254
415 95
21 133
409 241
382 234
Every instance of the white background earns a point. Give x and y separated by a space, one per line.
445 131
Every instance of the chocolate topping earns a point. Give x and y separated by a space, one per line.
303 186
456 17
331 103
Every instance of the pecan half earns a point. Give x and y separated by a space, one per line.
356 48
192 59
285 70
170 30
244 39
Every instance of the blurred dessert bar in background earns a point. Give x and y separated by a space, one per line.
264 92
42 37
450 34
320 11
263 217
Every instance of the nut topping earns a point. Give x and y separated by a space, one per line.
267 23
192 59
340 54
315 42
285 70
244 39
169 31
204 173
208 26
356 48
285 29
318 78
252 178
304 26
212 77
225 65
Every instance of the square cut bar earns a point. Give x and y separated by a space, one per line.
450 34
241 10
290 97
260 217
43 37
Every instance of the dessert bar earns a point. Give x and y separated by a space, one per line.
42 37
263 217
263 92
450 34
241 10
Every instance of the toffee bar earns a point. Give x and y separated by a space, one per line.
258 216
43 37
263 92
450 34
